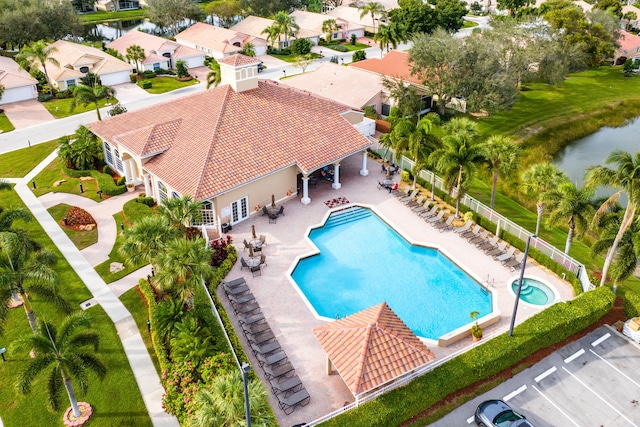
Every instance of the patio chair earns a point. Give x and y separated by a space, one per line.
430 213
246 245
498 250
243 263
273 359
263 260
250 320
423 208
281 211
403 193
409 197
288 386
263 239
288 404
416 203
479 238
464 228
241 299
381 185
514 263
507 255
471 233
256 271
436 218
265 349
265 211
444 226
488 244
280 371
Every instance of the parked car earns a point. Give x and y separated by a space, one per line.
496 413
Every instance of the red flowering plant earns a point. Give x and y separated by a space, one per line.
220 251
77 216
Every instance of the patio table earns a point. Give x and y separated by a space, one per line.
253 261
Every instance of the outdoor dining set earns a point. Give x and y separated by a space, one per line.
256 259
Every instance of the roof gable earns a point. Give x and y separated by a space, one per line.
393 64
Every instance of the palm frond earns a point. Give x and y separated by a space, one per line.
54 389
27 375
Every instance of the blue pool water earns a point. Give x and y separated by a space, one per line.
534 291
363 262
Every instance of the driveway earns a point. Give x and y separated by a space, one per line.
24 114
594 381
128 92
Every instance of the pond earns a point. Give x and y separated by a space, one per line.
594 150
108 31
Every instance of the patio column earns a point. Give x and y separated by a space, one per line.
336 176
147 187
364 171
305 190
127 171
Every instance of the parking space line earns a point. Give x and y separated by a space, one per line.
470 420
616 369
556 406
574 356
545 374
600 397
601 339
514 393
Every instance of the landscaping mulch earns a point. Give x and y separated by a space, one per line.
614 315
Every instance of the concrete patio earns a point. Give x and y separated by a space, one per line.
291 319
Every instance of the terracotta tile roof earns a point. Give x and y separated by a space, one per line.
238 59
12 76
227 139
253 25
152 45
216 38
70 54
629 42
393 64
371 347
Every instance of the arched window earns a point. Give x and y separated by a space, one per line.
107 153
175 195
162 191
118 160
84 69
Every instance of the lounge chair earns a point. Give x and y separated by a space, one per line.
403 193
280 371
507 255
422 208
246 309
261 338
411 196
288 403
250 320
488 244
471 233
265 349
514 263
498 250
444 226
431 213
241 299
436 218
256 271
464 228
481 237
263 239
235 282
256 328
243 263
237 291
288 386
416 203
273 359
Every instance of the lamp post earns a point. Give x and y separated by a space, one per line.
524 264
284 72
245 368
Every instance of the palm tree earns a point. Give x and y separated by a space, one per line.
23 265
167 315
329 27
248 49
222 403
182 265
286 24
191 342
421 144
146 239
502 156
7 216
569 205
405 97
213 77
458 159
538 179
391 34
38 54
85 95
65 351
373 8
181 212
81 151
626 177
136 54
273 32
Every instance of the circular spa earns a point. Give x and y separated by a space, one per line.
535 291
362 261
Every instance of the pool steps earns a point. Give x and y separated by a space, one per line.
347 215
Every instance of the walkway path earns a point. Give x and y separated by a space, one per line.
141 365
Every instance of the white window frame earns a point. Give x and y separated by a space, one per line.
239 210
162 192
108 155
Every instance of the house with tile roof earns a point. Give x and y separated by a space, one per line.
352 14
371 349
159 52
76 60
219 42
18 84
255 26
313 21
629 47
234 145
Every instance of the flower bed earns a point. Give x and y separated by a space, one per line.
77 216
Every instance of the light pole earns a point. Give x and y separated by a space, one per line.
245 368
524 264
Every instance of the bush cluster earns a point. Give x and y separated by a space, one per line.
631 307
339 48
146 84
542 330
44 97
78 216
134 210
148 74
149 201
359 55
104 180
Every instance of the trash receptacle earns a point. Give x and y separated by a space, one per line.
226 227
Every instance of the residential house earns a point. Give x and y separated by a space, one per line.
629 47
352 14
336 82
313 21
116 5
219 42
159 52
255 26
18 84
632 23
235 145
395 64
76 60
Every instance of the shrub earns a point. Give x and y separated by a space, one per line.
117 109
370 112
146 201
631 307
162 71
220 252
181 68
106 184
133 210
542 330
121 180
301 46
77 216
353 39
148 74
359 55
107 169
334 59
133 78
146 84
75 173
339 48
61 95
44 97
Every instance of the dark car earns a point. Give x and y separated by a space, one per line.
496 413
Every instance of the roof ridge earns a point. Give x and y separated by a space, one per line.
362 358
402 339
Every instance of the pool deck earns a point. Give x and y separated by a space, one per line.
292 321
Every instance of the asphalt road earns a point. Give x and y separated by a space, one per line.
591 382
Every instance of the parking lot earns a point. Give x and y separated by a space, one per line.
589 383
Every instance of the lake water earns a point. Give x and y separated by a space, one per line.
111 30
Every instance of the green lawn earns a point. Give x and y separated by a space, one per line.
53 172
116 400
350 47
137 306
469 24
16 164
5 123
541 105
102 16
292 58
167 84
61 108
114 256
81 239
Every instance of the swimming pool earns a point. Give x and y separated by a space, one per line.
534 291
363 262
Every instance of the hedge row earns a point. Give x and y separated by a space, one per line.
105 181
631 307
158 346
546 328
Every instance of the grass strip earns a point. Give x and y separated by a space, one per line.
18 163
